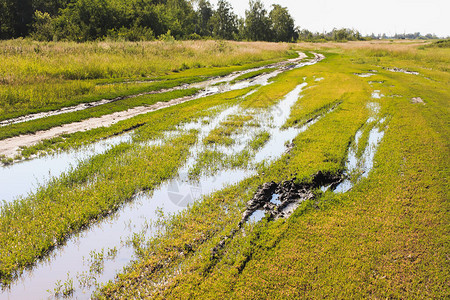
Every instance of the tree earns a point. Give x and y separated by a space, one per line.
6 19
224 21
42 27
148 14
204 15
88 20
257 23
282 24
15 18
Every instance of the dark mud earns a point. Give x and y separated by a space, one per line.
276 198
279 200
417 100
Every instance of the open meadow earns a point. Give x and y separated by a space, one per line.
219 169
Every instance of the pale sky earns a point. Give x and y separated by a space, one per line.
367 16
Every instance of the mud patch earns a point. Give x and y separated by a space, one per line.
279 200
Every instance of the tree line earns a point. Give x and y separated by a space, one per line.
135 20
138 20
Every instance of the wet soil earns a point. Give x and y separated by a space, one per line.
82 106
364 75
286 193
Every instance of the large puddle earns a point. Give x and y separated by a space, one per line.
24 177
97 254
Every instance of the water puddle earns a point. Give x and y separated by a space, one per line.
377 94
359 167
222 85
275 199
398 70
416 100
257 216
21 178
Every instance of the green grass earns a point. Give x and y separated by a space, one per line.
222 134
208 162
259 140
386 238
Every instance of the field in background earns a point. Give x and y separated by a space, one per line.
36 76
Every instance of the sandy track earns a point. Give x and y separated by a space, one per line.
83 106
11 146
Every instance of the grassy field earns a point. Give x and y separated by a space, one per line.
388 237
